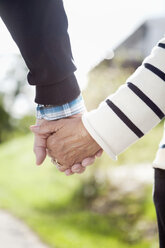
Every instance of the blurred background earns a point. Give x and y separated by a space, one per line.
111 204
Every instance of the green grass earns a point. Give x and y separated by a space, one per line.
43 198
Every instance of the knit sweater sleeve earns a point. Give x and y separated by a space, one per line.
135 108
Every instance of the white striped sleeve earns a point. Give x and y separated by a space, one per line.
134 109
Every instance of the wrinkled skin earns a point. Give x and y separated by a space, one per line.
71 143
40 144
45 129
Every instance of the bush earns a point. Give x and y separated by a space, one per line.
5 125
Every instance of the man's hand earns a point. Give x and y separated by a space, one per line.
40 144
68 142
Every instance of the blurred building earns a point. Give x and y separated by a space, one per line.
139 44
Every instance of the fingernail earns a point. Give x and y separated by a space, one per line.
84 162
35 128
87 161
99 153
68 172
76 167
81 171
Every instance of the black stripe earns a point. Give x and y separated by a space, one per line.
147 100
162 146
125 119
162 45
155 70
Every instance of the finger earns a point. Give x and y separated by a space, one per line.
60 167
63 168
88 161
40 153
76 168
40 149
99 153
68 172
81 170
48 127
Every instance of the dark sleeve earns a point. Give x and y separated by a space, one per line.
39 28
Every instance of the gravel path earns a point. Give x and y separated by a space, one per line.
15 234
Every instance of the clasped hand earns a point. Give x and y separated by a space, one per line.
66 141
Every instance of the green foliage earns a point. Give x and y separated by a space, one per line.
5 125
103 81
16 75
22 125
9 126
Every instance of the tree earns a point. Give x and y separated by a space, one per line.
5 124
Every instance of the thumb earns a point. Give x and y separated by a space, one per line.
39 148
40 153
48 127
